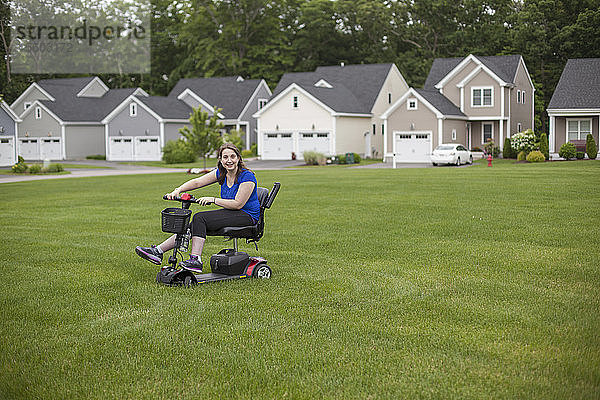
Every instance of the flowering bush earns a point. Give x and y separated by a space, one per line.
524 141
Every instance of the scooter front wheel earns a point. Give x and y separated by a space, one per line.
263 271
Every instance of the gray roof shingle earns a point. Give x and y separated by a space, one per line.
503 66
578 86
70 108
354 87
440 102
226 93
167 107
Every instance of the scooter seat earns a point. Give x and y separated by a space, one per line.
241 232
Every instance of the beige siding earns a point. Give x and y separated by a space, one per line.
422 119
521 113
84 140
450 90
560 130
350 134
397 87
482 79
461 131
283 117
34 94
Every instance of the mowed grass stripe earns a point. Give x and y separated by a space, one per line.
430 283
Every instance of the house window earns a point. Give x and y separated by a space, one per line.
523 97
389 98
411 104
261 103
382 129
487 131
374 129
38 113
518 97
295 102
453 134
133 110
26 105
482 97
519 127
578 129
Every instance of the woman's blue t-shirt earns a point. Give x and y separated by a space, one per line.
252 206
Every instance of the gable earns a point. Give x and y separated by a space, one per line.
32 93
96 88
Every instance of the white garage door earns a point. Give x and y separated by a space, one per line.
277 146
412 147
50 149
147 148
318 142
29 149
7 152
120 148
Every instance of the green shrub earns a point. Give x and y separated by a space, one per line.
20 167
590 147
580 155
254 149
314 158
96 157
491 148
507 151
522 156
477 149
341 159
567 151
356 158
55 168
544 147
35 169
247 154
535 156
178 151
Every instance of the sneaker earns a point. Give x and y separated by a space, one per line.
193 264
150 253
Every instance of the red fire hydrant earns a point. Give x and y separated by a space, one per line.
489 160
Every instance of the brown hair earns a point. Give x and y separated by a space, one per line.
222 171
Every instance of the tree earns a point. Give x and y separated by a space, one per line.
205 135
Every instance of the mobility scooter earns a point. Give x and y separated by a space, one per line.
227 264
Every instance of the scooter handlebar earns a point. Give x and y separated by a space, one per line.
184 198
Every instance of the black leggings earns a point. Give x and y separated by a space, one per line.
216 219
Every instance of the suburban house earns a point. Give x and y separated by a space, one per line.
238 99
139 127
333 110
469 100
574 109
8 135
62 118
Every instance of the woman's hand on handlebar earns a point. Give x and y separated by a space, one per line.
173 194
204 201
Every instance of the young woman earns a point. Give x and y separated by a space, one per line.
239 202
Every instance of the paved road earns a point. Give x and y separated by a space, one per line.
116 168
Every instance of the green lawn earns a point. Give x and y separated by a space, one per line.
446 283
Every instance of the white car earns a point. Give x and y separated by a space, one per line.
451 154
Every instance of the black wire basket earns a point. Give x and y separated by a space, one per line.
175 220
